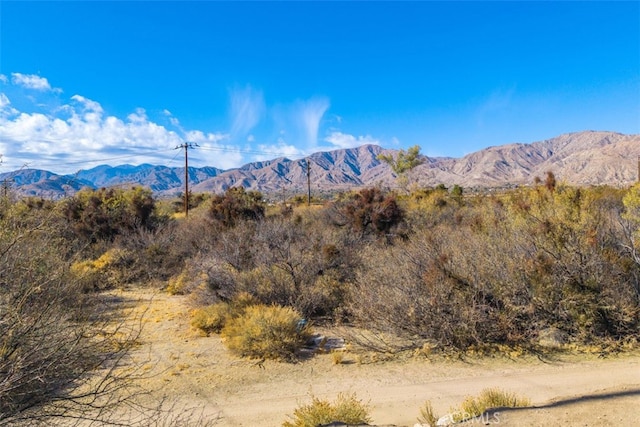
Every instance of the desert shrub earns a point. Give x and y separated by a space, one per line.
240 302
220 285
368 211
271 284
105 272
487 399
270 332
313 295
300 263
405 290
211 318
195 200
501 269
237 205
185 282
347 408
53 335
236 246
103 214
427 415
159 253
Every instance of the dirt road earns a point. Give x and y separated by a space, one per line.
198 371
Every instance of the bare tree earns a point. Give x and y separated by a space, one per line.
64 353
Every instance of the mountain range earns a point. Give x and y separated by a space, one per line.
582 158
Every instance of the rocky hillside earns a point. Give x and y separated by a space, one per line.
582 158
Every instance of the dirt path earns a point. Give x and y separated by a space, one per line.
198 371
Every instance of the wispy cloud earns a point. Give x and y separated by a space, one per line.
310 114
46 131
172 119
498 101
247 109
31 81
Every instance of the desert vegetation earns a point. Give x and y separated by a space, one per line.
546 266
473 407
346 408
442 267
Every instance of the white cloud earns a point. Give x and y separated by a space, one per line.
88 104
198 137
246 109
280 149
343 140
31 81
4 101
310 114
59 144
3 78
83 136
140 116
77 133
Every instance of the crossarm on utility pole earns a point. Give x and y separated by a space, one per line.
186 147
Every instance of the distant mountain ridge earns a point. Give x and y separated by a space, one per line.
580 158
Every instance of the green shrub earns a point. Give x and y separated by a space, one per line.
347 409
262 331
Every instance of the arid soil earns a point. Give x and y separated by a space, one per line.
197 371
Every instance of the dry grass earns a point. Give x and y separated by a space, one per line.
347 408
488 398
427 415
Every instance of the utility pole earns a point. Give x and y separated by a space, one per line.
5 190
186 147
308 183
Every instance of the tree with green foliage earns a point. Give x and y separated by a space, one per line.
403 163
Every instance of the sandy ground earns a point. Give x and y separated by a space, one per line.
198 371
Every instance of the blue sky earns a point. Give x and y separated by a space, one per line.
84 83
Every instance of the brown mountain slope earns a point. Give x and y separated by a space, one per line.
340 169
582 158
